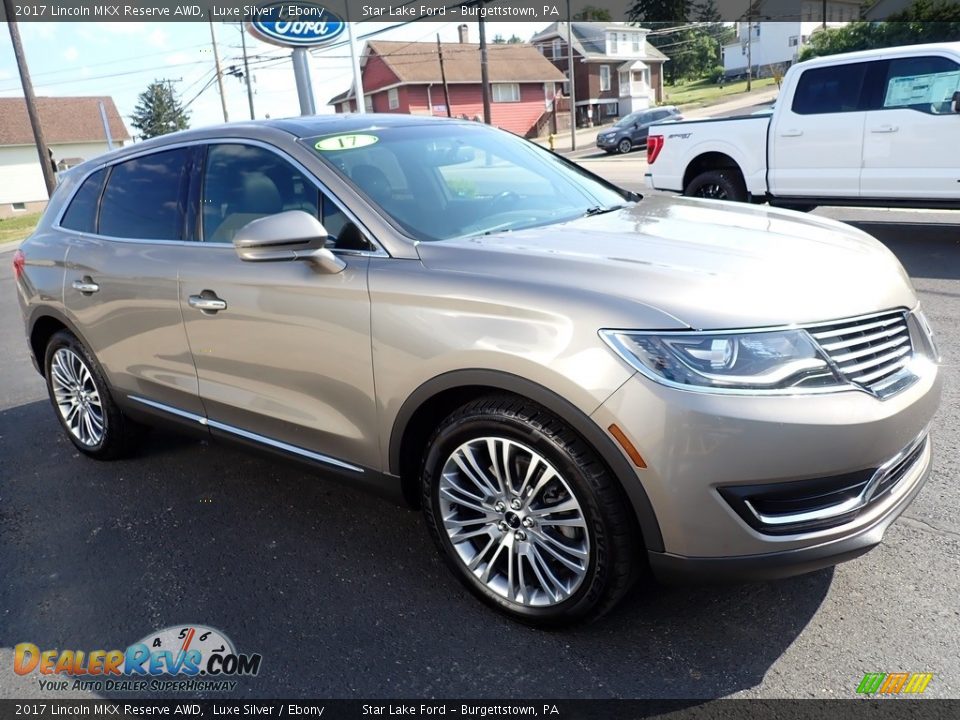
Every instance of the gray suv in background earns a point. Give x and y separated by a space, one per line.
631 130
577 386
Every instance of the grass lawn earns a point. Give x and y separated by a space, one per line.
704 92
17 227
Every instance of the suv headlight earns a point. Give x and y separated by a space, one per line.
777 360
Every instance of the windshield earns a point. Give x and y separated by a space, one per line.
439 181
628 119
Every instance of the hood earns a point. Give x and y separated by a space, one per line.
708 264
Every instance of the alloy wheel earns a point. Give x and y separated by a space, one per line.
77 397
514 522
713 191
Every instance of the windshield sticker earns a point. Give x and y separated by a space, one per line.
345 142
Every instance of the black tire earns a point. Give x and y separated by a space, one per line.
624 146
120 435
615 560
722 184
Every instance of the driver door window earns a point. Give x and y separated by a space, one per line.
243 183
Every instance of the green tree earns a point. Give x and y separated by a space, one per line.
593 13
923 22
159 111
660 12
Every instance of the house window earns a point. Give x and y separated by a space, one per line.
613 43
345 107
368 103
636 43
393 98
792 42
506 92
604 78
18 207
557 49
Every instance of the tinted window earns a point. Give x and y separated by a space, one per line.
144 197
926 84
82 213
243 183
832 89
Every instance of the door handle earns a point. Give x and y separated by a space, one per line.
884 129
86 286
792 132
208 303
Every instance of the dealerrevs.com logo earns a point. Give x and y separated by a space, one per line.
181 658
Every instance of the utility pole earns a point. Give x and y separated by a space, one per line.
43 152
216 60
355 62
443 77
573 93
246 69
749 49
824 14
484 72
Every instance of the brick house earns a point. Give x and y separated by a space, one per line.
404 77
616 70
73 129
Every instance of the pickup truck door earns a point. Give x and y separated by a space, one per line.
816 137
912 140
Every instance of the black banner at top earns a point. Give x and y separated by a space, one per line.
644 12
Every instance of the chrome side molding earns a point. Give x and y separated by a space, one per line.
247 435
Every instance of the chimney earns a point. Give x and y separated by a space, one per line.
464 31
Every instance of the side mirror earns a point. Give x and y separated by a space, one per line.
955 103
291 235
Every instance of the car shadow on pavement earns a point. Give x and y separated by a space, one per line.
342 593
926 250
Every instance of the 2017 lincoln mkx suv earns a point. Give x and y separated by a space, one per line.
577 385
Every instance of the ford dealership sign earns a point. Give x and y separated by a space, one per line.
294 24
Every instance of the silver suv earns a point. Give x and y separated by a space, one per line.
578 386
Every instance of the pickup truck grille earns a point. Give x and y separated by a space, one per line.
868 351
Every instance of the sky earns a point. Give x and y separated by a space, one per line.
121 59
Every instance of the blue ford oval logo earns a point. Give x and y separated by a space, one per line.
295 24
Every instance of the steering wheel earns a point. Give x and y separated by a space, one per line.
503 201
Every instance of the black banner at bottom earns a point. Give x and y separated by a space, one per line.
854 709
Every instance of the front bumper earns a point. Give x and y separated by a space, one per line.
697 445
607 143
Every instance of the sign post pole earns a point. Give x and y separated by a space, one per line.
301 71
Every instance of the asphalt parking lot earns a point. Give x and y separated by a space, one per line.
343 594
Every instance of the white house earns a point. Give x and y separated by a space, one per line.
73 129
778 42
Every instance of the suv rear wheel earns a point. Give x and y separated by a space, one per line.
525 513
82 401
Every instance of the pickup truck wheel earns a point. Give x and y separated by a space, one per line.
624 146
724 184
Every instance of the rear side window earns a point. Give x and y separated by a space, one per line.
926 84
825 90
144 197
82 213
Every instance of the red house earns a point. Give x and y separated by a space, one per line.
404 77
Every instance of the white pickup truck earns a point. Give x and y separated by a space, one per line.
880 127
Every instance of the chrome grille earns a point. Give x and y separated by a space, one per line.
868 351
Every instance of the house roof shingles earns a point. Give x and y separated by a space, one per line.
417 63
63 119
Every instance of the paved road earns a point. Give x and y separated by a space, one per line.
344 596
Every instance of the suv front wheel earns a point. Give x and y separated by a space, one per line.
525 513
